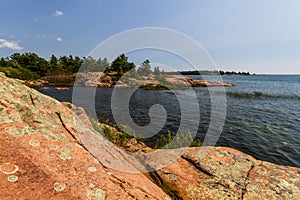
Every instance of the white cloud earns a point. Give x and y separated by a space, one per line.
13 45
41 36
59 39
58 13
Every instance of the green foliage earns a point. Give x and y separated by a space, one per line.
156 72
112 134
53 63
133 74
31 62
68 64
170 141
90 64
115 136
109 134
95 124
130 132
120 65
20 73
154 87
11 72
29 66
145 68
181 139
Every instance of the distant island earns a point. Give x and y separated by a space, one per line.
214 72
62 71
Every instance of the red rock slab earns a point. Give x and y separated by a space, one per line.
42 154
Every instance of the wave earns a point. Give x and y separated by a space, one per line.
260 95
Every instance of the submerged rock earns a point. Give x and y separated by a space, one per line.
62 88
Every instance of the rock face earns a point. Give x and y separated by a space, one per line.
44 155
225 173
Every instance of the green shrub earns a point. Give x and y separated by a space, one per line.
95 124
120 138
19 73
154 87
181 139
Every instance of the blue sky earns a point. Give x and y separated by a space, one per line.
246 35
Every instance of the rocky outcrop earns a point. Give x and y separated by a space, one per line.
89 79
45 154
178 81
170 81
225 173
204 83
101 79
37 83
42 155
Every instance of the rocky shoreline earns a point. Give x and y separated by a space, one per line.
50 150
100 79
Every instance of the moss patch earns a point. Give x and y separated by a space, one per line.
154 87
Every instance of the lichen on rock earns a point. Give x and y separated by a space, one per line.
8 168
62 137
34 143
98 194
92 169
65 152
58 187
12 178
14 131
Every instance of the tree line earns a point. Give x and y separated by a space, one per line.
29 66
